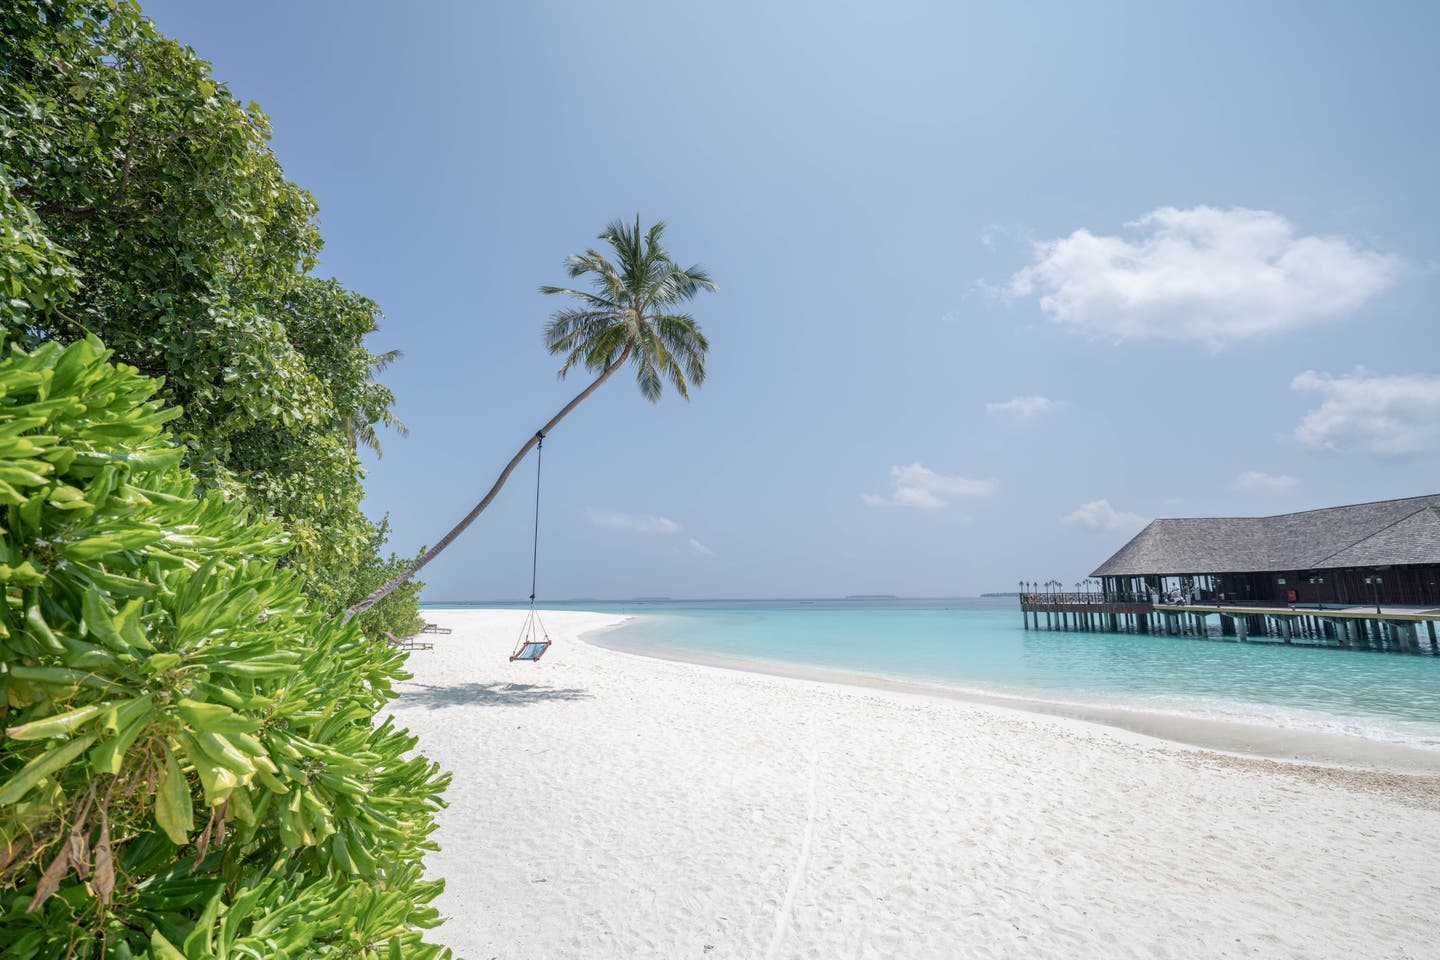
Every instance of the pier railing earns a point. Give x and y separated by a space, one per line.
1051 599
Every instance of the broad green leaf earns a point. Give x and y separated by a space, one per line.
173 809
42 766
58 725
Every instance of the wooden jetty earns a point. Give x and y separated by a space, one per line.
1356 628
1084 612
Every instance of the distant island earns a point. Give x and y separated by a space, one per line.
871 596
1010 594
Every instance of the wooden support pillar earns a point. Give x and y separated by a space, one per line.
1285 629
1434 647
1242 628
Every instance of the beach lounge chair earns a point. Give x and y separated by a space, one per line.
406 643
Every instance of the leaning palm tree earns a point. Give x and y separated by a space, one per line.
628 316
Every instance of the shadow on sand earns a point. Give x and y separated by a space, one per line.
491 694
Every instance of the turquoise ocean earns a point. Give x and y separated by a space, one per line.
979 645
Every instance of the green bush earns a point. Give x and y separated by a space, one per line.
192 762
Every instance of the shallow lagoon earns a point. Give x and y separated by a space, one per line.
979 644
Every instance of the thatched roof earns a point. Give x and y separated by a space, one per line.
1385 533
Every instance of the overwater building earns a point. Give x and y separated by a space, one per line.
1365 575
1388 551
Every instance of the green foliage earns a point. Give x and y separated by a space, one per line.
38 276
192 765
630 315
193 255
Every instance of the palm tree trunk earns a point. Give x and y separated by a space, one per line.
459 528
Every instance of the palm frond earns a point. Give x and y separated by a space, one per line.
573 331
634 284
394 423
380 361
648 379
594 301
682 336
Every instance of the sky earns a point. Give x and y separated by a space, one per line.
998 283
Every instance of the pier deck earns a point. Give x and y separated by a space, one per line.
1393 628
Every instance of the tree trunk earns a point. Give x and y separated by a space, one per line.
459 528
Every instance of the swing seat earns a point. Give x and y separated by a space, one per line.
530 650
534 639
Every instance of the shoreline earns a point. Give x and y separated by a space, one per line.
609 804
1226 738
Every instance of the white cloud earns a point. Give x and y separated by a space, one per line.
1099 515
1387 415
1267 482
1023 408
1203 274
919 486
636 523
699 549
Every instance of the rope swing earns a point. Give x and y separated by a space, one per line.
534 640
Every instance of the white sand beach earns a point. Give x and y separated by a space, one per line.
609 805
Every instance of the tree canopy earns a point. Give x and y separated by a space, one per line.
188 252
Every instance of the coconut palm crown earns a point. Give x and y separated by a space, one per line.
630 312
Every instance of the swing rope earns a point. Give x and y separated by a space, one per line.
534 639
535 545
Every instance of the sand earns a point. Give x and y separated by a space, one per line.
611 805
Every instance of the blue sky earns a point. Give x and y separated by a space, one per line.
997 283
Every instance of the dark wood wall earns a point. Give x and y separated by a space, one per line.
1400 586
